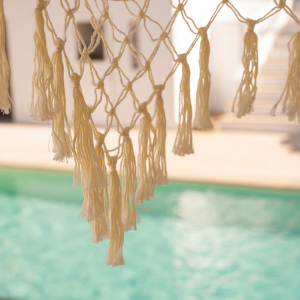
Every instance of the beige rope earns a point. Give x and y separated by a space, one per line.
111 220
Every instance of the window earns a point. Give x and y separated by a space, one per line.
87 30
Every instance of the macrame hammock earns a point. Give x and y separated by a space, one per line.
111 200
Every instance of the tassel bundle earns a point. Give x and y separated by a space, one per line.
246 93
61 130
130 216
83 148
161 136
202 117
145 161
114 255
184 138
46 105
5 100
100 227
291 93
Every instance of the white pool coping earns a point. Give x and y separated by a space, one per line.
225 157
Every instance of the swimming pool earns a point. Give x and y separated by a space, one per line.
197 242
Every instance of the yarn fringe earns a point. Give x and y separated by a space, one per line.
184 138
202 117
114 255
61 130
161 135
100 228
145 161
246 93
83 148
291 93
46 105
5 99
130 216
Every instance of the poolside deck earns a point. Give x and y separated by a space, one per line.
229 157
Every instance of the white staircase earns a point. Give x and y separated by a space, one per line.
271 82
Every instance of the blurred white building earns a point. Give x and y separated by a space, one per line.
226 38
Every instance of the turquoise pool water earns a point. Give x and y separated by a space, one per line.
197 242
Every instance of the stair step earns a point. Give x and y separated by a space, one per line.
260 107
272 75
258 123
275 68
261 81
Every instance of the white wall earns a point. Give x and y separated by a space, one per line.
20 29
226 38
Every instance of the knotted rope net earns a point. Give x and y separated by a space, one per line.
110 200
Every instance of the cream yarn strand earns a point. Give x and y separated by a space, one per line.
114 255
291 93
83 147
145 161
202 117
161 136
5 100
130 216
61 130
46 105
247 90
184 138
100 227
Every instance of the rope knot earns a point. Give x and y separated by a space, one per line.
70 13
251 25
100 85
111 112
147 65
141 14
203 32
98 30
59 44
281 4
225 1
41 4
115 63
182 58
105 14
125 133
163 35
112 163
76 80
143 108
180 7
127 40
159 89
129 85
85 54
100 137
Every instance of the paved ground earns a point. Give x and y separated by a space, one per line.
229 157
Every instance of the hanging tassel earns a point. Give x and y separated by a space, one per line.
130 216
61 130
5 100
145 161
100 227
202 117
92 208
184 138
114 255
246 93
46 105
291 93
83 149
161 135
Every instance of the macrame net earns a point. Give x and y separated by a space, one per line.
111 197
